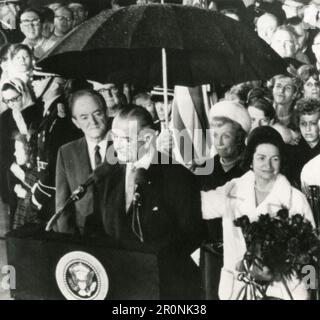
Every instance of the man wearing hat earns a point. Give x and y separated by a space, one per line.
157 96
55 129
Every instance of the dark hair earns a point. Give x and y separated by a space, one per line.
264 135
47 14
142 95
265 106
8 86
305 72
86 92
293 21
259 93
15 48
305 107
137 113
31 10
4 52
73 85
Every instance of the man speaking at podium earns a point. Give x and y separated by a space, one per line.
148 200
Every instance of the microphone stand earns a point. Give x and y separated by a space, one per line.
137 204
75 196
313 196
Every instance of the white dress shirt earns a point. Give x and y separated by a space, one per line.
144 162
91 150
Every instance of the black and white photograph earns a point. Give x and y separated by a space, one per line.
163 150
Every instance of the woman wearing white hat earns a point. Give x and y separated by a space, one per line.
230 123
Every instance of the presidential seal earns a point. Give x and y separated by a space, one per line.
80 276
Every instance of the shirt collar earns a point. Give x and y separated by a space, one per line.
38 43
48 103
91 145
146 160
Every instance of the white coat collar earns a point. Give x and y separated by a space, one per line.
279 196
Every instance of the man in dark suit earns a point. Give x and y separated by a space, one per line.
77 159
148 200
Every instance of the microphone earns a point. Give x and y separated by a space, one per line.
97 175
140 180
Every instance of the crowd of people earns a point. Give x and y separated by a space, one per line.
55 132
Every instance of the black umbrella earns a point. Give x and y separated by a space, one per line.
126 45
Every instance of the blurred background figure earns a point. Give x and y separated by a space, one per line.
113 96
316 50
63 23
309 76
144 100
303 53
266 26
54 6
261 113
9 13
20 63
157 97
48 22
239 92
284 42
285 91
307 116
31 25
80 13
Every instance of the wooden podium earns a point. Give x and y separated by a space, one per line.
134 273
35 255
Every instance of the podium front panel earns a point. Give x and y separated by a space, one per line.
35 254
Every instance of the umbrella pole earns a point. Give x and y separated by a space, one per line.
165 85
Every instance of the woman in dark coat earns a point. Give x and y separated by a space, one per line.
21 116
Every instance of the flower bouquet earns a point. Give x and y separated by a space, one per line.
277 249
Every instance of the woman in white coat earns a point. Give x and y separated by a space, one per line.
261 190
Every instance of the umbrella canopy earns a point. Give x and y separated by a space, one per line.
125 45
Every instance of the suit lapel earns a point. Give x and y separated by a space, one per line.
85 167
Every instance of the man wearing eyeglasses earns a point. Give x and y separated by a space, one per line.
149 201
31 27
63 23
112 95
